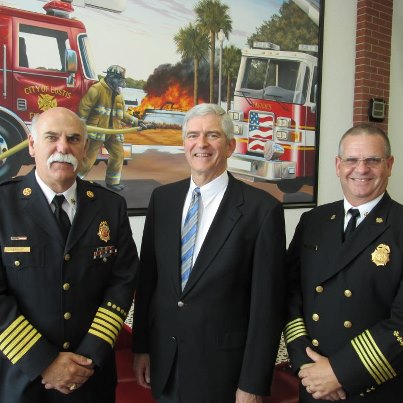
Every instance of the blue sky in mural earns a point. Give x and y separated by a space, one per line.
141 37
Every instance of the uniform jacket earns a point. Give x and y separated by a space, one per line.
96 107
346 299
58 297
224 328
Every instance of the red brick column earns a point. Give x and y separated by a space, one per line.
372 63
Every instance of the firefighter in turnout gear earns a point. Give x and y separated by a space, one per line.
104 106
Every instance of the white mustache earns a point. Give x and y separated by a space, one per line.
59 157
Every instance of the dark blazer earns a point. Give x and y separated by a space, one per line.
224 328
346 299
61 297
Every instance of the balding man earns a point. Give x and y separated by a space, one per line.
67 269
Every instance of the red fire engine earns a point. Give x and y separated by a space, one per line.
275 116
45 61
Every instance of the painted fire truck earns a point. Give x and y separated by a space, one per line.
45 61
275 116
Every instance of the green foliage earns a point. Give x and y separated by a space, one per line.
132 83
191 42
290 28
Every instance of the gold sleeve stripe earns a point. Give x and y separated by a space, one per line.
102 336
102 323
110 334
112 314
28 346
19 337
110 320
372 358
294 329
11 328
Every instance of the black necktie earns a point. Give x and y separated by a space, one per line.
355 213
61 216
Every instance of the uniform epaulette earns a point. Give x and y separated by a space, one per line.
12 180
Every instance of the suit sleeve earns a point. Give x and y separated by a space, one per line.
295 332
117 297
267 304
146 284
20 342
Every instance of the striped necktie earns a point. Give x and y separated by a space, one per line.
189 232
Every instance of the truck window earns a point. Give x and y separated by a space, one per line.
33 40
86 57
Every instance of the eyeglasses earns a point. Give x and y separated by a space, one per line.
370 162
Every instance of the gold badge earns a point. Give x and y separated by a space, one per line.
380 256
103 232
379 220
90 194
27 192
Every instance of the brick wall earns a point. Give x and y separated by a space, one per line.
373 48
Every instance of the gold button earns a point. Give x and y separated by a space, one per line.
67 315
315 342
66 345
319 289
67 257
348 293
17 263
315 317
347 324
66 286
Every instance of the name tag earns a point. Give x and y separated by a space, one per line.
17 249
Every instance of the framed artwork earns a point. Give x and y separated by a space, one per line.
261 62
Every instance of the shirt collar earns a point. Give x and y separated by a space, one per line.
70 194
211 189
365 208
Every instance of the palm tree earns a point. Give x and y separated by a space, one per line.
212 16
193 44
230 66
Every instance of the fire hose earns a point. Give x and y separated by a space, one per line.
90 129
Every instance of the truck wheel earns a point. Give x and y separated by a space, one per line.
290 185
10 136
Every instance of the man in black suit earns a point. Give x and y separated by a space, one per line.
211 337
64 292
344 330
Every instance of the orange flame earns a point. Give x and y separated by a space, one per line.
175 97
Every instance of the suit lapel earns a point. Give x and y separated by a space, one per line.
224 221
87 209
37 207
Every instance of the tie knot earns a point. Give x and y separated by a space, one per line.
354 212
58 200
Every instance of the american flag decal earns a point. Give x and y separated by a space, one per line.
261 125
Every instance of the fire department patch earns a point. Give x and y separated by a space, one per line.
104 232
380 256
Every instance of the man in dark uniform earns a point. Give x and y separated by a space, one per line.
64 292
345 325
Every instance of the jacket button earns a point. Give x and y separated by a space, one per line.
66 345
315 317
173 339
315 342
347 324
17 263
348 293
319 289
66 286
181 304
67 315
67 257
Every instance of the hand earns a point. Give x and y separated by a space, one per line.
141 367
66 370
319 379
245 397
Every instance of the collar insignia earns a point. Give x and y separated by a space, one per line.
27 192
379 220
333 217
90 194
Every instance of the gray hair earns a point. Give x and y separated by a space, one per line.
210 109
34 123
366 129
